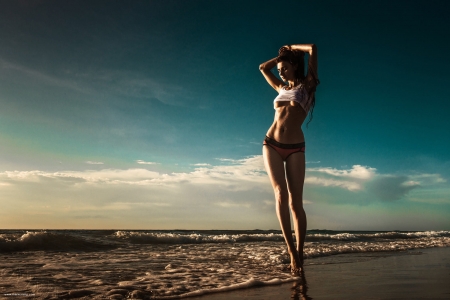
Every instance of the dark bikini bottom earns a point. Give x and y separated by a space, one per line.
284 149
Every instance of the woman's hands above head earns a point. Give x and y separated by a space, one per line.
311 77
284 48
308 48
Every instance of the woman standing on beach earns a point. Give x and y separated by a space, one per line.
284 145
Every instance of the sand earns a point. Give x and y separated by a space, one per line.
415 274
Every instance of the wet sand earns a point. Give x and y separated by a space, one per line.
415 274
128 272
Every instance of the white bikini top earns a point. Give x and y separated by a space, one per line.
298 94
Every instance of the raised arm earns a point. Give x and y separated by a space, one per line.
312 77
265 68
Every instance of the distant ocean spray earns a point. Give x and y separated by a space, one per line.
170 264
318 242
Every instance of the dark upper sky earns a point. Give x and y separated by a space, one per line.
177 82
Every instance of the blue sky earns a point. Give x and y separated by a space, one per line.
151 114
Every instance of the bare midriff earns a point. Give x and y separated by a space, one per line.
287 125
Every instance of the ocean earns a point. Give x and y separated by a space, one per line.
173 264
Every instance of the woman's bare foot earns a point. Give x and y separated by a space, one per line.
296 264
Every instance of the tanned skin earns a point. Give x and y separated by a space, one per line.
288 178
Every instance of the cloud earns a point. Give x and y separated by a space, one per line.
141 162
105 176
348 185
391 188
94 162
237 175
212 181
100 82
140 196
45 78
227 160
428 179
368 185
232 189
352 179
138 86
357 172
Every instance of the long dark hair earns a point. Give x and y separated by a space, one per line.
298 58
294 58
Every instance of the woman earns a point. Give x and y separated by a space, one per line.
284 145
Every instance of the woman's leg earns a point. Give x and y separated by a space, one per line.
275 169
295 175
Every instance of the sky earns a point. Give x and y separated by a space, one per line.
151 114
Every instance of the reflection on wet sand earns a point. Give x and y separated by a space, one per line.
299 289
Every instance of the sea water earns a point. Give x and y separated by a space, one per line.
171 264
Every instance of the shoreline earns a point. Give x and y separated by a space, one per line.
414 274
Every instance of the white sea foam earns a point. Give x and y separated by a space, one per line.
348 236
193 238
92 240
252 282
171 265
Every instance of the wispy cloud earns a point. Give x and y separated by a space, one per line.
328 182
235 187
138 86
44 77
94 162
227 160
100 82
428 179
350 179
357 172
237 175
391 187
384 187
141 162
